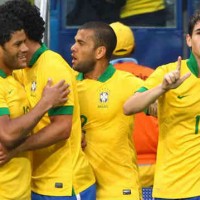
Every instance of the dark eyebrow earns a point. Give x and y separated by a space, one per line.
17 42
80 41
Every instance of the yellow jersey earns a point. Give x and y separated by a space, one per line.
178 166
108 133
60 169
16 174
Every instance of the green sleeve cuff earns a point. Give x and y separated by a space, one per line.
143 89
4 111
62 110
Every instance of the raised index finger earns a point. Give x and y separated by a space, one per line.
179 63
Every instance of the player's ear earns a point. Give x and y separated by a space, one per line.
100 52
188 40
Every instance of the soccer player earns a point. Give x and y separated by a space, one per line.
16 122
60 168
176 86
102 92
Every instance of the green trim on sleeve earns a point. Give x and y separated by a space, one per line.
62 110
4 111
142 89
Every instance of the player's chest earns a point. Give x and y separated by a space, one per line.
34 86
184 99
101 99
16 99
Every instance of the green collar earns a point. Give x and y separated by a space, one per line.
192 65
37 54
3 74
104 77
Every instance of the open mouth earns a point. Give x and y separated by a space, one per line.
22 58
74 59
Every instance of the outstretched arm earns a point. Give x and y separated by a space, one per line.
139 101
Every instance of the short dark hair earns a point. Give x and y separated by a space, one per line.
193 20
103 36
9 24
29 14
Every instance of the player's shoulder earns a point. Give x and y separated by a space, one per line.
124 73
52 54
53 59
127 76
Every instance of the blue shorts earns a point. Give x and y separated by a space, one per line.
88 194
190 198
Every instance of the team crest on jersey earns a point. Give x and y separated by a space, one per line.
103 98
33 86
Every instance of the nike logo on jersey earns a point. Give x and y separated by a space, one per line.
9 92
181 96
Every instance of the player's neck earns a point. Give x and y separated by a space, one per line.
96 72
92 75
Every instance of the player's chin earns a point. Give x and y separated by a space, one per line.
22 65
74 66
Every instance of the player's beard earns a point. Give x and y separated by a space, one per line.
85 66
14 61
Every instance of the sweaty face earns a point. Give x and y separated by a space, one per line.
14 51
83 51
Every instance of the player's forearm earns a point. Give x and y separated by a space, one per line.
47 136
140 101
16 130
